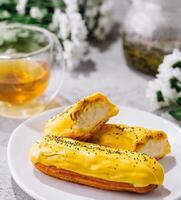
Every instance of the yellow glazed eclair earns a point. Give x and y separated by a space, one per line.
97 166
140 139
83 118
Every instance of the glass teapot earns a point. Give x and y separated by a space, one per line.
152 29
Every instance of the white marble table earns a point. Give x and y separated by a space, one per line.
104 70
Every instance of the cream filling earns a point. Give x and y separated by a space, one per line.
93 116
154 148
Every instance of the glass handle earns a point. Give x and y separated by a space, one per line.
58 48
58 66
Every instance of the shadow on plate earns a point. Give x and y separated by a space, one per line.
168 163
97 194
18 192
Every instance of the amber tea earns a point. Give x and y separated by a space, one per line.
22 80
31 70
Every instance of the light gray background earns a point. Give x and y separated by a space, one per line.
104 70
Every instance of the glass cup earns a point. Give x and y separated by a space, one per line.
31 70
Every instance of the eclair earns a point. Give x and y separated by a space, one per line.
95 165
83 118
152 142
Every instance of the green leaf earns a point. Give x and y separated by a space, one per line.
176 113
179 101
159 96
177 65
175 84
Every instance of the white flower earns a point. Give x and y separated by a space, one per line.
35 12
68 48
166 69
80 48
60 22
71 6
98 17
169 75
70 23
154 94
73 52
105 22
168 92
21 5
70 28
143 17
77 27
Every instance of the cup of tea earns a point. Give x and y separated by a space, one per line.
31 70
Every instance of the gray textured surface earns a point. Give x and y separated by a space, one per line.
105 70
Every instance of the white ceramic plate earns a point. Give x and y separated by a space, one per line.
41 186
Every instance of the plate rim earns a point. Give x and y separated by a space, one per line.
30 192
